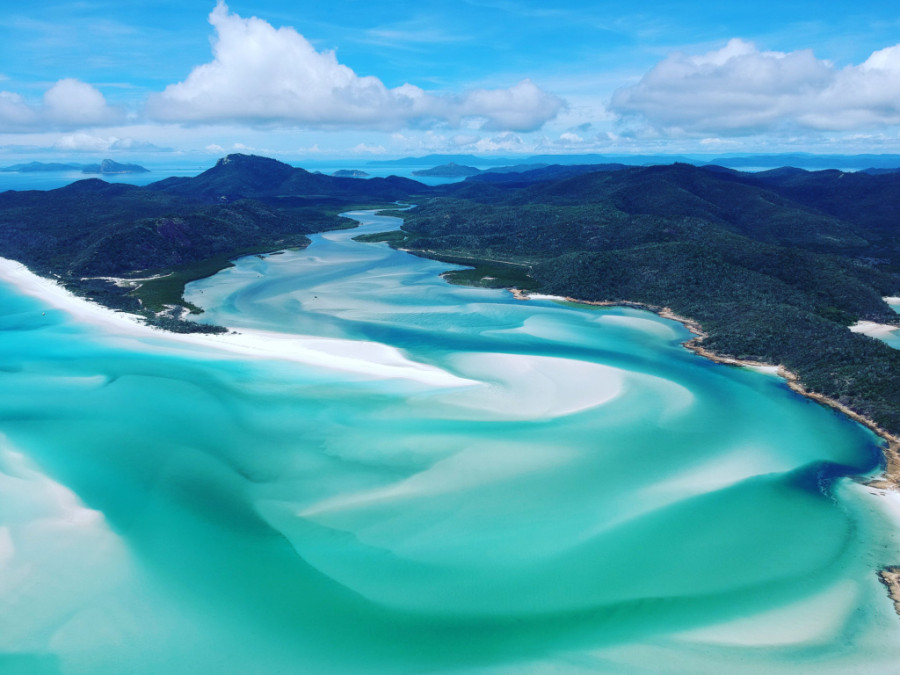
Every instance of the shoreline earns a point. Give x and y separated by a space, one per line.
890 477
889 480
361 359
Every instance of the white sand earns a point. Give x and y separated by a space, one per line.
873 329
7 547
890 502
816 620
469 469
366 359
522 386
765 369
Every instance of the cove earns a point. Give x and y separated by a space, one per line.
445 480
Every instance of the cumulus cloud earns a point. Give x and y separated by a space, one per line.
15 113
85 142
71 103
739 89
506 142
68 104
368 149
263 75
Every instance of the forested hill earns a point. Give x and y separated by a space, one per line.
774 266
189 226
251 177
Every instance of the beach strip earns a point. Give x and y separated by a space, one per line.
366 359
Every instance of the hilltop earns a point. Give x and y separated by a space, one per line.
108 166
183 227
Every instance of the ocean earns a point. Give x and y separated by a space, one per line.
398 475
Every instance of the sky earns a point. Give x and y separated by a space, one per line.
164 79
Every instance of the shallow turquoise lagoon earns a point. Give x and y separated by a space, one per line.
448 480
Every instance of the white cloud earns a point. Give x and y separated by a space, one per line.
740 90
15 113
84 142
215 149
68 104
462 140
368 149
71 103
522 107
503 142
569 137
268 76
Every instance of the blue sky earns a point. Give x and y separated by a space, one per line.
349 78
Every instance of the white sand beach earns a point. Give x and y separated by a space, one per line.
366 359
873 329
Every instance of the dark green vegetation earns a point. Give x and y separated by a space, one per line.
106 166
109 166
350 173
184 228
37 167
806 160
451 170
775 266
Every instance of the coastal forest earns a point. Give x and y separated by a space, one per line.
775 266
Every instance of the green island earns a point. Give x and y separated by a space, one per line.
773 267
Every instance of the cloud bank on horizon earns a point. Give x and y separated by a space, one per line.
738 90
265 82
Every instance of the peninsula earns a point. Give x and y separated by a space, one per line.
107 166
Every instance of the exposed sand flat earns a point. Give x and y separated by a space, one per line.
518 386
366 359
890 577
873 329
815 620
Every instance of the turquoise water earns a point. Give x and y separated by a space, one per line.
892 338
534 487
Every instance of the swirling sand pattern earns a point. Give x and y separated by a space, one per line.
440 479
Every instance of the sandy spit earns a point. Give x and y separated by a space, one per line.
366 359
889 480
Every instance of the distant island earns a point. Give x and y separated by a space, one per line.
350 173
38 167
451 170
805 160
107 166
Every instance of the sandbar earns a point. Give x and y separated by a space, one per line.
873 329
366 359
